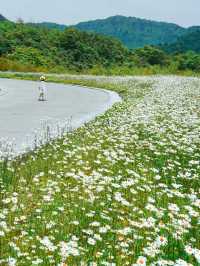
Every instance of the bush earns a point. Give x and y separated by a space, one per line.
9 65
189 61
29 55
151 56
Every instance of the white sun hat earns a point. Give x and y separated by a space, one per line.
42 78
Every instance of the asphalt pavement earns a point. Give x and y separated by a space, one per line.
26 122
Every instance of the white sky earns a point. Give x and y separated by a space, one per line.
182 12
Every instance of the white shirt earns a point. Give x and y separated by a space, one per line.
42 87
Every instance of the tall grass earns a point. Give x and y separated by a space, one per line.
9 65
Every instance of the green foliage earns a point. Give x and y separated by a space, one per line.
29 55
189 60
135 32
132 32
11 65
151 56
49 25
70 49
25 47
87 49
187 42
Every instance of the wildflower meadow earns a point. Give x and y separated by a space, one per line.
121 190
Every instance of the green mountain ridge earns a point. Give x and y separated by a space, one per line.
131 31
134 32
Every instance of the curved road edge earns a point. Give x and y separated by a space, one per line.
113 98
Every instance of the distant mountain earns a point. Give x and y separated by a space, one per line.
132 32
188 42
2 18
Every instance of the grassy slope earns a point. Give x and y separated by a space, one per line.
114 189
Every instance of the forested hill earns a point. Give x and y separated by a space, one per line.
134 32
71 48
185 43
25 47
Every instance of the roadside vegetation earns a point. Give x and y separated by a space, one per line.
121 190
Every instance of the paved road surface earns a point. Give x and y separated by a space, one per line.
22 116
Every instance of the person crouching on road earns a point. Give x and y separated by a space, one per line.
42 89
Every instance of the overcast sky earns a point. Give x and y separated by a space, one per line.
182 12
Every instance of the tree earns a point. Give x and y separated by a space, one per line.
189 60
150 55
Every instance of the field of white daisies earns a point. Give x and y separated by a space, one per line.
121 190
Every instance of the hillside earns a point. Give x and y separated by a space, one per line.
71 48
26 47
134 32
2 18
185 43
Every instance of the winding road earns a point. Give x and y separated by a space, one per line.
24 120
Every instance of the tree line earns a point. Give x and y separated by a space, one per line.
31 48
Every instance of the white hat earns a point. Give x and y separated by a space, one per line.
42 78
